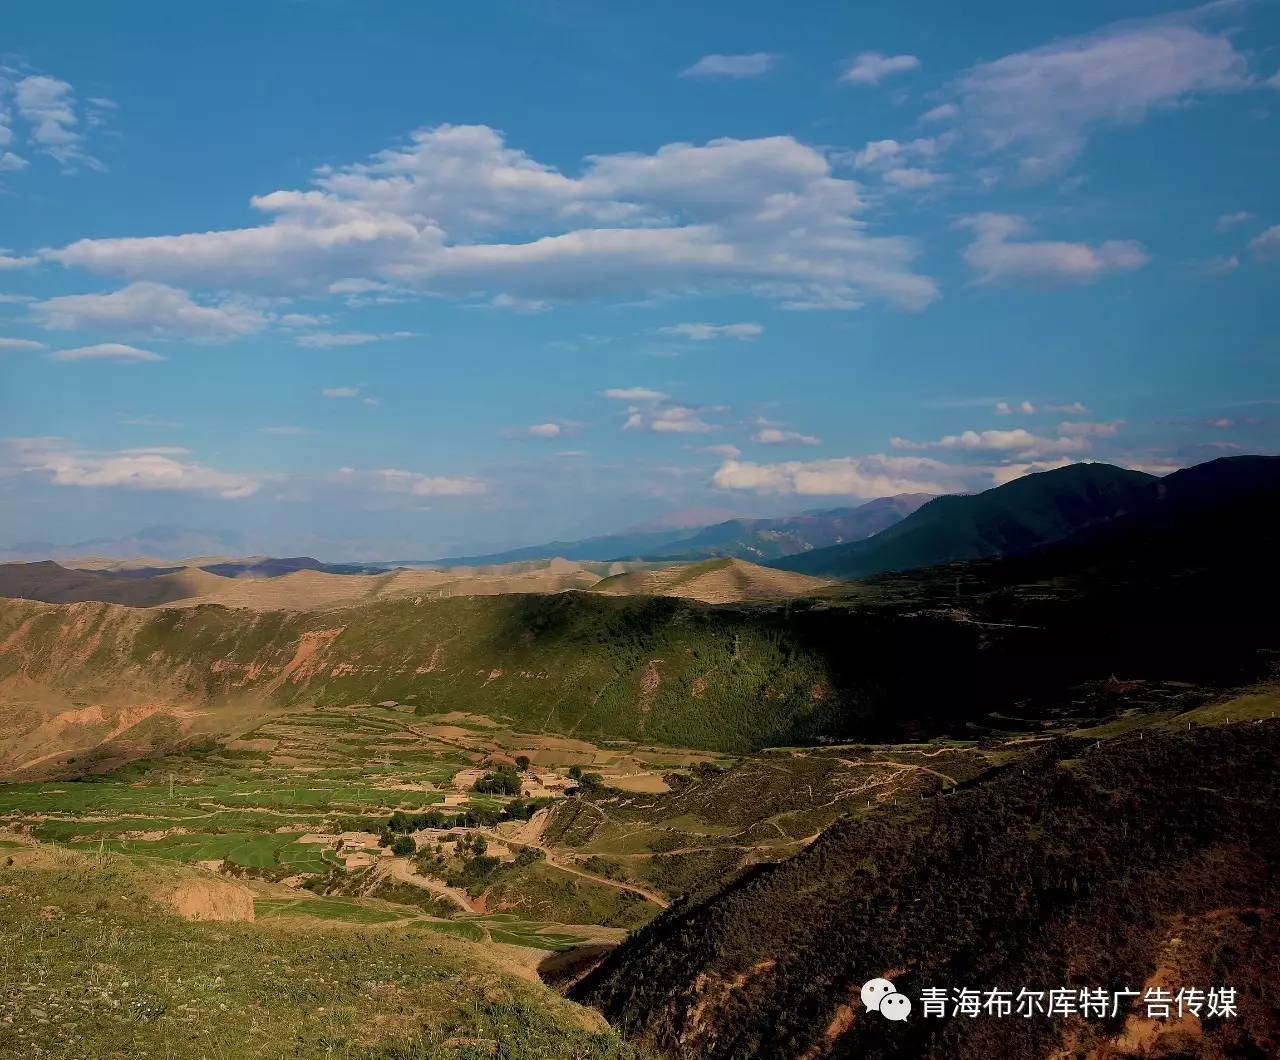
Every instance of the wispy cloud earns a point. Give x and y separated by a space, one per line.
997 255
870 68
155 468
1230 220
150 309
861 477
1042 105
634 393
734 67
699 332
50 119
417 484
1017 441
106 351
1267 245
333 339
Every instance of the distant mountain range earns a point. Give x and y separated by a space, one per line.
764 539
166 541
751 539
1020 515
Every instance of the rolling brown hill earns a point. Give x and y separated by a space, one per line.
303 590
53 583
716 581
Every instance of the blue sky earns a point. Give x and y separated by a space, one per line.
393 279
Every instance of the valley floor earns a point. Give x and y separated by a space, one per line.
370 902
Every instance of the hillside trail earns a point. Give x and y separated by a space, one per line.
401 870
902 766
555 862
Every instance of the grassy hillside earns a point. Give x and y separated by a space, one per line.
655 669
903 657
1022 514
1084 864
157 985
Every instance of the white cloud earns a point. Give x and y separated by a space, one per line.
1220 266
550 429
677 419
913 179
877 152
286 430
1018 440
1158 467
634 393
1230 220
1084 429
1042 104
706 332
9 261
518 305
150 309
394 480
870 68
728 452
863 476
332 339
20 344
752 64
302 320
106 351
1071 408
770 435
1267 245
458 212
942 112
157 468
1005 408
893 159
998 257
48 106
340 392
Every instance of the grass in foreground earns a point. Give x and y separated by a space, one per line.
90 966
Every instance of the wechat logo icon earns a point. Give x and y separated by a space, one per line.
880 995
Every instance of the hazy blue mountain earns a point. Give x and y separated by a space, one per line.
751 539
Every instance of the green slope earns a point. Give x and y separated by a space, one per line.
1030 511
94 967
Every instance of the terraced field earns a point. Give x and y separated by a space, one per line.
295 809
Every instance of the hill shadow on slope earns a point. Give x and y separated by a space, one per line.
1085 865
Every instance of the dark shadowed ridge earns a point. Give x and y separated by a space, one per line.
1086 863
1020 515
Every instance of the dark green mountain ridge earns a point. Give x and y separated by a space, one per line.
1030 511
